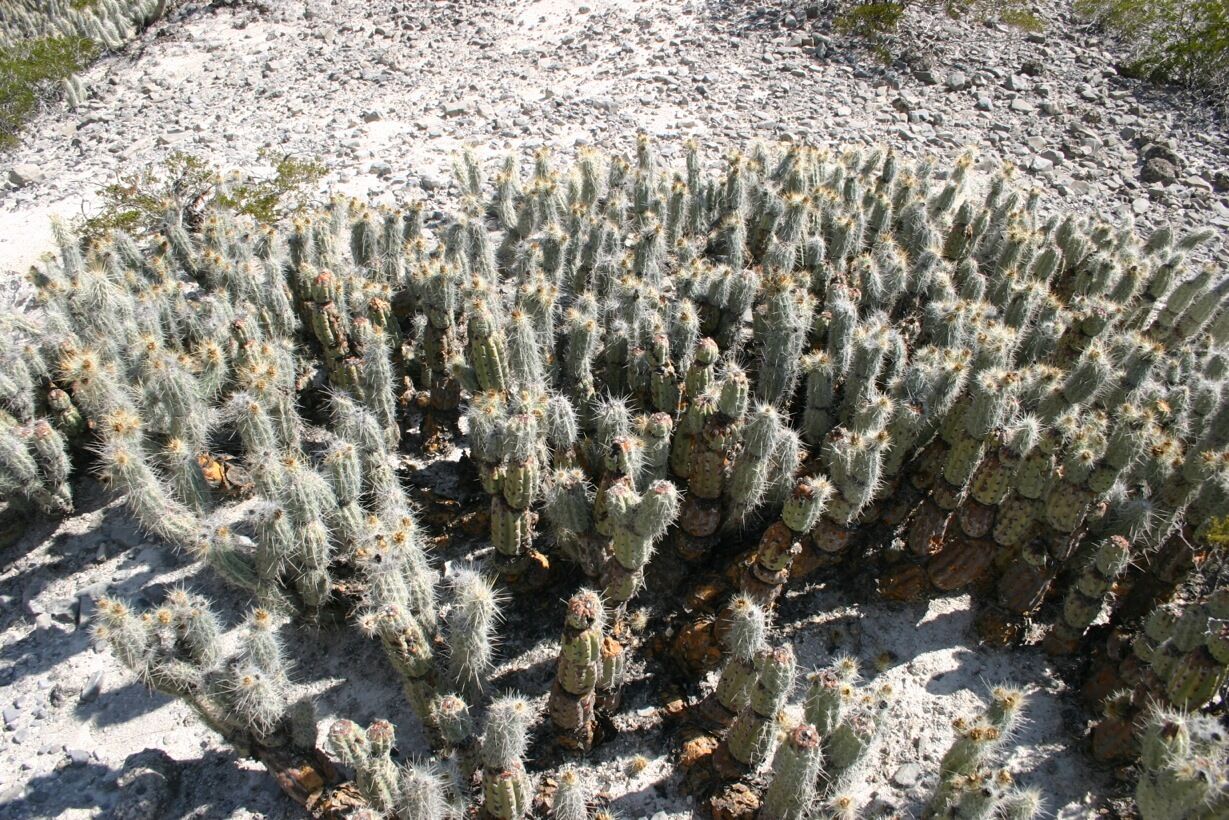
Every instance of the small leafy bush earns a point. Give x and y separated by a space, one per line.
1183 41
31 71
140 200
878 20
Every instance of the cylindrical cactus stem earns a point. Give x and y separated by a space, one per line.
665 385
686 438
50 450
849 744
569 509
830 694
780 323
511 529
655 432
751 735
572 796
638 522
471 628
376 379
369 754
766 449
153 507
452 719
422 794
1184 765
702 371
410 653
442 344
1020 804
745 638
506 787
572 696
980 794
769 567
1088 594
187 477
68 419
488 369
819 413
261 646
711 464
519 482
228 554
795 769
975 741
377 779
611 674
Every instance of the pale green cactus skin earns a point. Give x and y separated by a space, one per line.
579 668
1086 597
795 769
368 753
1184 758
745 640
750 737
177 650
964 766
111 25
506 786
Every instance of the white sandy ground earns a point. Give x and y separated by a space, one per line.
382 92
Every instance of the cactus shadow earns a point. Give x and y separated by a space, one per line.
52 794
950 681
157 786
121 705
43 649
643 801
454 480
67 548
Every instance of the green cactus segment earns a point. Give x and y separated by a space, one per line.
471 628
423 793
376 778
745 639
1087 596
1185 759
964 768
751 735
176 649
572 797
795 769
572 697
506 786
637 521
637 348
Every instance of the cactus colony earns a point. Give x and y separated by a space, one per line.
808 362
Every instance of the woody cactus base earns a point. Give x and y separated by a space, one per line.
678 393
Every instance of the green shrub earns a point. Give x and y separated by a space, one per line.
30 72
870 20
1169 40
878 20
140 200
